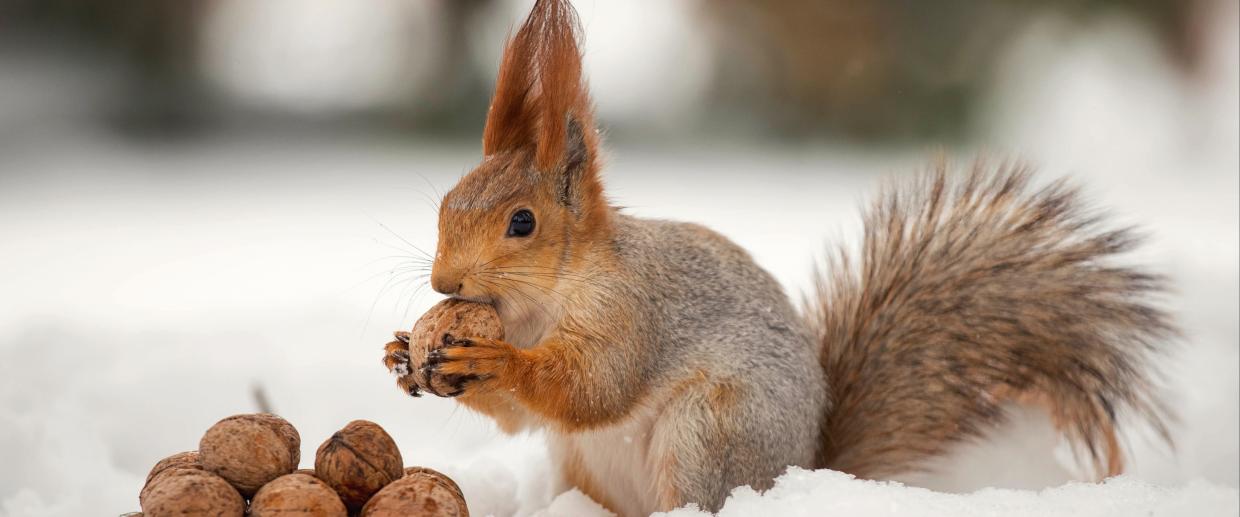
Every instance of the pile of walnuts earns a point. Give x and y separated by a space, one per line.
247 465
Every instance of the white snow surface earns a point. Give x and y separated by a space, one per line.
813 493
143 292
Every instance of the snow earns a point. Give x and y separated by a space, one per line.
573 503
814 493
145 292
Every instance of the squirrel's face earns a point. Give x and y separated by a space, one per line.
503 234
517 224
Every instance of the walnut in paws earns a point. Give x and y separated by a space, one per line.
444 321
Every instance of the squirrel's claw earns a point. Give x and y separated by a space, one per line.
396 359
469 364
450 371
459 383
427 371
401 368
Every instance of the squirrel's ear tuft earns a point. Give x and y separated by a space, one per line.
540 93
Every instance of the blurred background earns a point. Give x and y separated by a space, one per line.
204 198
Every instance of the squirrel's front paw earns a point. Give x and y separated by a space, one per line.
470 364
396 359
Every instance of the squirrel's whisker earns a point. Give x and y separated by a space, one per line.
402 239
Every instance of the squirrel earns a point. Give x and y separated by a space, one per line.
667 367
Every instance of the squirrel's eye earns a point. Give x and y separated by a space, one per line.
522 224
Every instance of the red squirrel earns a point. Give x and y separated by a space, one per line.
667 368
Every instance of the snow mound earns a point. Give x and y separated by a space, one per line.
802 492
573 503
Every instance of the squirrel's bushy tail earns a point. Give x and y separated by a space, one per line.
971 292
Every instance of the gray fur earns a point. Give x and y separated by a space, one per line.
716 311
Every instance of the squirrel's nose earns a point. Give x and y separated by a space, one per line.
445 282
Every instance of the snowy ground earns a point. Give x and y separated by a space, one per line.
144 292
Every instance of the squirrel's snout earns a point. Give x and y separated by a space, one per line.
445 282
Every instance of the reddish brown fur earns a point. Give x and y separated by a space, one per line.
500 407
970 295
531 163
539 88
541 378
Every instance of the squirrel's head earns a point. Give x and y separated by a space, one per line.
512 225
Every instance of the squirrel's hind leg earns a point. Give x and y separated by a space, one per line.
707 442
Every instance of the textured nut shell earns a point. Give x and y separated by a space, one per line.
435 474
459 318
418 495
183 492
285 431
250 450
180 460
357 461
297 494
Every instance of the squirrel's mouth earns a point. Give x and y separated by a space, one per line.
475 298
471 290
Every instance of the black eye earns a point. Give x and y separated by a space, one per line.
522 224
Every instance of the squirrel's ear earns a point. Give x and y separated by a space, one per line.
511 117
541 102
577 179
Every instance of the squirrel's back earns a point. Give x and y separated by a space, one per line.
703 284
706 304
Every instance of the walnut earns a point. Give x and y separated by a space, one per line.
297 494
457 318
187 459
180 460
419 495
250 450
186 491
437 475
357 461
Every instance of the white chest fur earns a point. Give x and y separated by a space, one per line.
616 461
